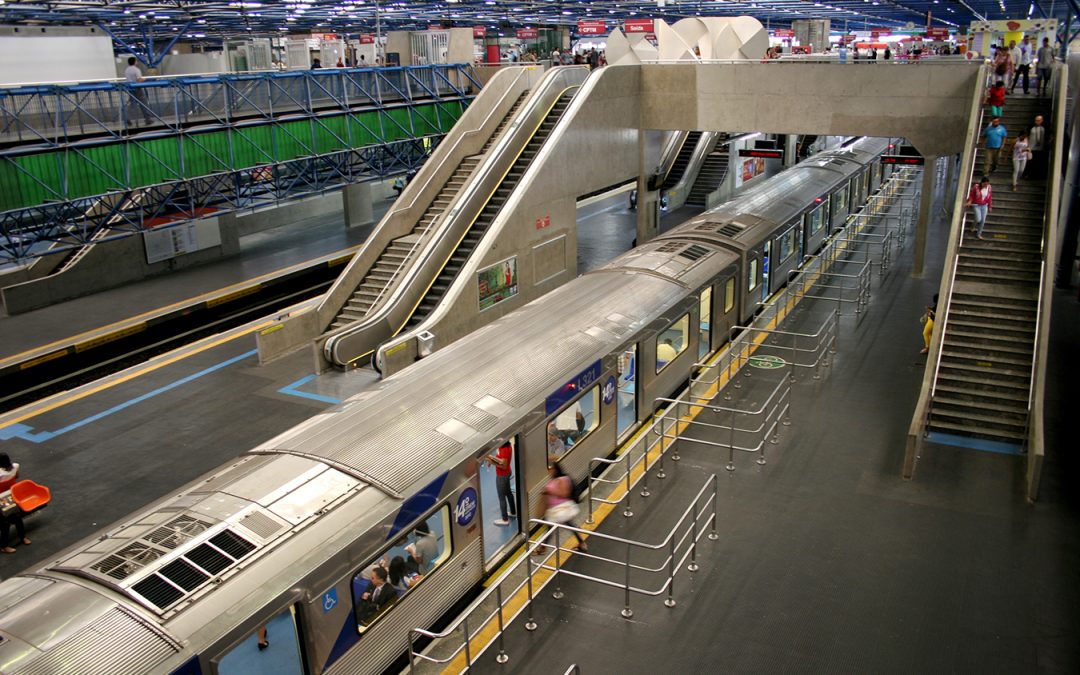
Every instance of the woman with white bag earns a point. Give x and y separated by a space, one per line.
561 503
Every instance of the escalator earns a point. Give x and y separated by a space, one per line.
713 171
678 167
394 258
420 255
476 232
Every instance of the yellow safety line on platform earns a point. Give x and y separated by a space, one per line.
63 398
242 286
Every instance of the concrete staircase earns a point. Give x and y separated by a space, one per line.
984 373
392 261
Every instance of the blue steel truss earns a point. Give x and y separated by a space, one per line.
76 118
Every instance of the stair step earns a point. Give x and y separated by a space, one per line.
1012 413
975 431
1015 395
983 360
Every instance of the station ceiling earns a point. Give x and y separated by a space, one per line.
227 18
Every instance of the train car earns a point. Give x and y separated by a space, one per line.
774 226
319 549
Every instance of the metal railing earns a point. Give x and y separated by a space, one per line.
680 545
50 115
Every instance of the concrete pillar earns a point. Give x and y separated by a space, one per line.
358 206
926 205
648 203
230 234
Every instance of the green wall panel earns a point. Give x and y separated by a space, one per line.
35 179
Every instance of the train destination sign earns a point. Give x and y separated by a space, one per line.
907 160
759 152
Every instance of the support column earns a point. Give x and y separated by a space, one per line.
358 205
648 203
926 203
950 177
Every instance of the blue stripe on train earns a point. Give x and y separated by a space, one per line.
418 505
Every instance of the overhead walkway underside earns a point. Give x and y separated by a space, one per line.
76 160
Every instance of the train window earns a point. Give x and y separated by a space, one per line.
672 341
817 219
273 647
575 422
752 280
729 295
704 322
400 568
840 199
787 243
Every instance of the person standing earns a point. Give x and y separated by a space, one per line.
137 102
981 200
1037 142
995 98
1002 62
9 473
1020 156
503 461
928 324
1014 61
1046 62
995 138
1023 65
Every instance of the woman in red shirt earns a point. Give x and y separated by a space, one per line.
995 98
981 199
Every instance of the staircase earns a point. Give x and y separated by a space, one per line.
476 232
392 261
712 173
984 374
678 167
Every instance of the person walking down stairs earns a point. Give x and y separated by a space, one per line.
981 200
995 138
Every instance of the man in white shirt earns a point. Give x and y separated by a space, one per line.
1023 58
137 102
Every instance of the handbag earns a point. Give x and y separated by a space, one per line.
563 512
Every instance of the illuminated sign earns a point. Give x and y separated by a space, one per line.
909 160
527 33
638 26
767 154
591 28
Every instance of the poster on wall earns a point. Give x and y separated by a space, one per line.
497 283
747 170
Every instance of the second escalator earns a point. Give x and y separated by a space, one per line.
494 204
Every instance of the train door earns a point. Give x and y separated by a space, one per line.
500 507
626 413
273 647
705 322
765 271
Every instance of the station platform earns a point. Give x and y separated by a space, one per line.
826 560
128 439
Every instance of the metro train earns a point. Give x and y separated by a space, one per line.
270 555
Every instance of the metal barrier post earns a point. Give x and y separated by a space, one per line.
501 657
412 653
731 444
693 566
675 439
468 652
670 601
558 594
627 511
627 612
530 623
715 506
645 469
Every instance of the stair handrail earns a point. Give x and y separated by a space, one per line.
490 169
1034 439
920 418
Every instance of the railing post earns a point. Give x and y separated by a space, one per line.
412 653
627 511
693 566
468 650
715 506
530 623
645 468
626 611
669 601
501 657
557 593
731 443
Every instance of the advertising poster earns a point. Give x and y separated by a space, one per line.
497 283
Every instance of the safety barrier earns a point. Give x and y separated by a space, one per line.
853 287
866 244
679 546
